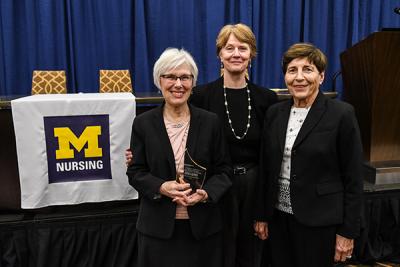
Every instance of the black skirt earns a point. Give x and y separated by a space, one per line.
181 250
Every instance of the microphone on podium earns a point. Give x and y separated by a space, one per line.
397 10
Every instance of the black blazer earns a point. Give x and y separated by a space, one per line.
326 182
210 96
154 164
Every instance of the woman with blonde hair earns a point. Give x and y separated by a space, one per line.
241 106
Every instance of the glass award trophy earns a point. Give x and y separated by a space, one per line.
194 174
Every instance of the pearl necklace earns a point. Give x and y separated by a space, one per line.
248 117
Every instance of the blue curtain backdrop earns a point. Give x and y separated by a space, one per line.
82 37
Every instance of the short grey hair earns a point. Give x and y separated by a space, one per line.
171 59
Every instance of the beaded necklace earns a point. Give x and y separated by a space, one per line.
248 117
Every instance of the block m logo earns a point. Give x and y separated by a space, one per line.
66 138
74 144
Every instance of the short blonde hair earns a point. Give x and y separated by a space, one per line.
242 32
305 50
171 59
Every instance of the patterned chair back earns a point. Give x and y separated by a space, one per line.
49 82
115 81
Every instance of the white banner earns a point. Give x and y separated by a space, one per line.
71 147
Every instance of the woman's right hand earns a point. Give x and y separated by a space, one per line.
128 157
176 191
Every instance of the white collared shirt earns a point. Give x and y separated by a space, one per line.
296 119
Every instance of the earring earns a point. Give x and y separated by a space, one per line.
246 74
221 69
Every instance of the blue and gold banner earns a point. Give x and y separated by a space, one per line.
71 148
78 148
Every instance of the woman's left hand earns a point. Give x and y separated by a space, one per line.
199 196
261 229
344 248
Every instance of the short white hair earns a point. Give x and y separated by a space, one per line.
171 59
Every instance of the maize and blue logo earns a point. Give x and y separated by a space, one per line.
78 148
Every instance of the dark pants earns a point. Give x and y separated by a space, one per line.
241 247
293 244
181 250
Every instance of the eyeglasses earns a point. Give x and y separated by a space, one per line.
173 78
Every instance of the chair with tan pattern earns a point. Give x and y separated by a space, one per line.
115 81
49 82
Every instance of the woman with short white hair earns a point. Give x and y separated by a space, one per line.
179 224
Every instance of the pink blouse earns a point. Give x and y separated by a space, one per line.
177 133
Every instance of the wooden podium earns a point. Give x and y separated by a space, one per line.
371 78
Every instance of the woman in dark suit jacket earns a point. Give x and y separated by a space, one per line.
311 158
241 106
178 226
